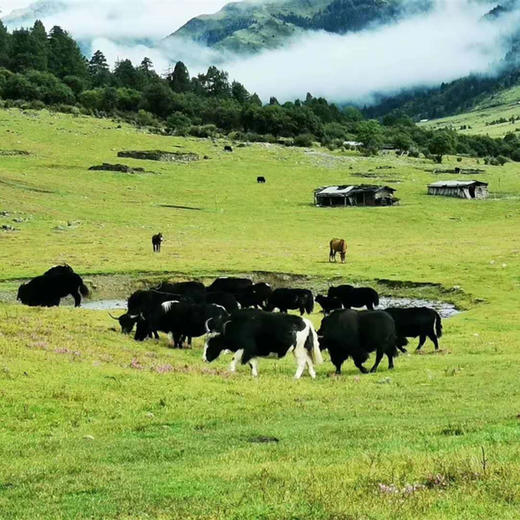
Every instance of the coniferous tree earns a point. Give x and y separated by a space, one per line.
4 46
65 58
98 70
126 75
24 52
40 45
179 79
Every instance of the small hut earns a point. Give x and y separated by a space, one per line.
362 195
460 189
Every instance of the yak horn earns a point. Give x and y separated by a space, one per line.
113 317
207 326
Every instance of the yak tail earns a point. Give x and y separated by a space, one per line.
312 344
83 289
438 325
376 299
309 304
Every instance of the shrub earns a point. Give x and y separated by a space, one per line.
304 140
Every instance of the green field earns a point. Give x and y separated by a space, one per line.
97 426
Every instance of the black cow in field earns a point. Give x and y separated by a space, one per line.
141 303
193 290
182 320
252 334
417 321
260 180
329 303
255 295
355 296
157 240
48 289
285 299
354 334
230 284
224 299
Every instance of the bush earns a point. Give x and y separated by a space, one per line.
144 118
304 140
178 124
203 131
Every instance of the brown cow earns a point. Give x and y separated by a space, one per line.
338 245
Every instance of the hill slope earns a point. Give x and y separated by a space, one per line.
251 26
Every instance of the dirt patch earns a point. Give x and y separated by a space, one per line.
263 439
123 168
14 153
160 155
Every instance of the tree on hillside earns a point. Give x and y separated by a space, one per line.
4 45
40 45
370 134
98 70
126 75
26 52
157 99
215 83
239 92
179 79
442 143
65 58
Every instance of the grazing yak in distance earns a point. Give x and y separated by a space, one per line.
228 148
417 321
157 240
338 245
355 296
48 289
329 303
260 180
252 334
182 320
356 334
285 299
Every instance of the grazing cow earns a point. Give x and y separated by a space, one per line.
260 180
157 240
194 290
252 334
355 296
338 245
224 299
141 303
417 321
182 320
285 299
354 334
48 289
230 284
255 295
228 148
329 303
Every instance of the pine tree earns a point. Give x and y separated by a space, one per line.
126 75
4 46
98 70
179 79
26 52
65 58
41 45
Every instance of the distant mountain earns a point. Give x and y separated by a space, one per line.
37 10
251 26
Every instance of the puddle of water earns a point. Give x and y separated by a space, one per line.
104 305
446 310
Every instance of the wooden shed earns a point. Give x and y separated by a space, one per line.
460 189
362 195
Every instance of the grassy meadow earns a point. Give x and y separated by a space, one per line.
95 425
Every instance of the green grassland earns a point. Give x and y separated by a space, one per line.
97 426
482 120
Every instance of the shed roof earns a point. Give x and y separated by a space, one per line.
457 184
345 190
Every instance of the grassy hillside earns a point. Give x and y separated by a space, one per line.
488 116
252 26
97 426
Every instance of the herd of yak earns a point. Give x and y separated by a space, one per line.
238 315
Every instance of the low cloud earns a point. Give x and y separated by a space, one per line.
449 42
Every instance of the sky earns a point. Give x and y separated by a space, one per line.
449 42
